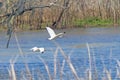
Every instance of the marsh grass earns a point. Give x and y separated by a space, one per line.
93 22
90 73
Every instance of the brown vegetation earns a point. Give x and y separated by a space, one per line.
63 13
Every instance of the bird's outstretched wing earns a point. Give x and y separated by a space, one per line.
50 31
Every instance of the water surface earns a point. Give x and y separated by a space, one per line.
104 44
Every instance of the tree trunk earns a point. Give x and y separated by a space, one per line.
65 5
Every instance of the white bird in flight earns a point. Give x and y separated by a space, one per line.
52 34
36 49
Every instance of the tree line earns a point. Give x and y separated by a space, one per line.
36 14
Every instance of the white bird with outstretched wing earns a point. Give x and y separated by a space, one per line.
52 34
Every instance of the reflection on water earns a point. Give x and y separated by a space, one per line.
104 46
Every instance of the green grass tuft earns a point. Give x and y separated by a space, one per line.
93 21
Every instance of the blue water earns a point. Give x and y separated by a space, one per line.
104 44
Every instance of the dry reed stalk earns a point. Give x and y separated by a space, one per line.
46 67
108 74
16 38
13 74
39 75
11 71
55 62
61 70
24 78
118 62
95 72
118 69
70 64
28 72
87 74
90 62
104 77
67 60
117 72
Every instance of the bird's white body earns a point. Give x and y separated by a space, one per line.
36 49
52 34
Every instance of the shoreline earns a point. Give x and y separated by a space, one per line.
43 28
